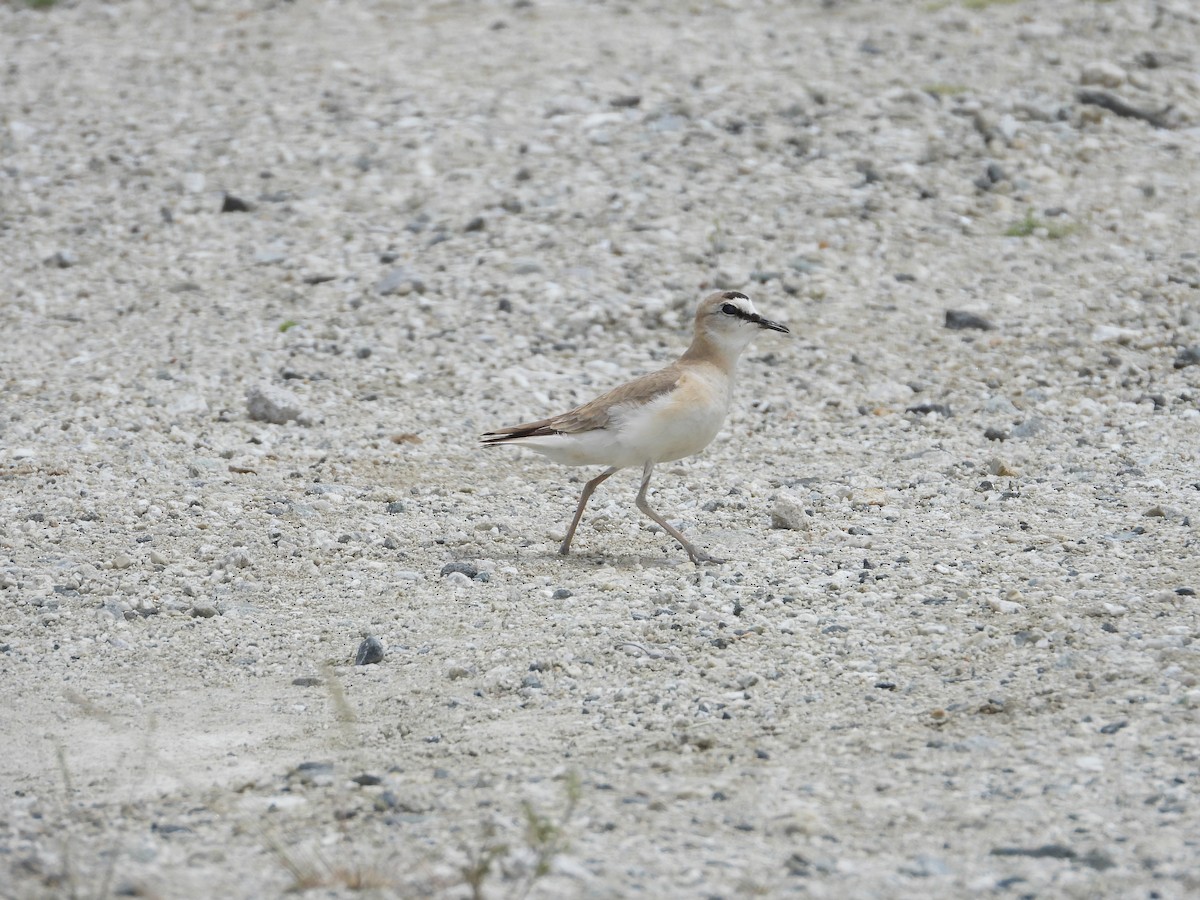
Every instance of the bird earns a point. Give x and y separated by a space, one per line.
659 417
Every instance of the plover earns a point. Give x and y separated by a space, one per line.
659 417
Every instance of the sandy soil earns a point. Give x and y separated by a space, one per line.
969 667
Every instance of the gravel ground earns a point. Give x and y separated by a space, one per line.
270 267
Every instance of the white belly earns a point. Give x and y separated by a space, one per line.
674 425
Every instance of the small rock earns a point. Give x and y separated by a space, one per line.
1000 468
996 434
526 266
1103 73
189 404
232 204
463 568
958 320
625 101
788 514
1189 356
268 403
399 281
62 259
1047 851
561 594
925 409
318 774
203 609
370 652
476 224
1028 428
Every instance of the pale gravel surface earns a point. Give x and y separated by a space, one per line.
974 672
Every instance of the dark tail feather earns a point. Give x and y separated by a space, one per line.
533 429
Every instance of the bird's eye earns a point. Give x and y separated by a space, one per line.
729 309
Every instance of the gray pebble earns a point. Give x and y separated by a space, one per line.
957 320
1189 356
463 568
268 403
561 594
399 281
62 259
1028 428
203 609
788 514
370 652
318 774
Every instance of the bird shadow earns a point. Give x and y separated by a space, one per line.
586 559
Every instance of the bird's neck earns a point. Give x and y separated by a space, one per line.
721 355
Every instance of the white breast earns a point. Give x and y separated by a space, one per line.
678 424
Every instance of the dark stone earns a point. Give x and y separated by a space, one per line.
306 681
1098 860
996 434
1114 727
365 780
465 568
924 409
958 320
370 652
476 224
1189 356
626 101
232 204
562 594
1046 851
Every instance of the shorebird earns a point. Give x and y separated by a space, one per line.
659 417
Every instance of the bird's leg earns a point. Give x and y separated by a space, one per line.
583 499
696 556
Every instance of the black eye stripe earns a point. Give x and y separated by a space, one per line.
734 295
731 309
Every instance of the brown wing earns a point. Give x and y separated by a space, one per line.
595 413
